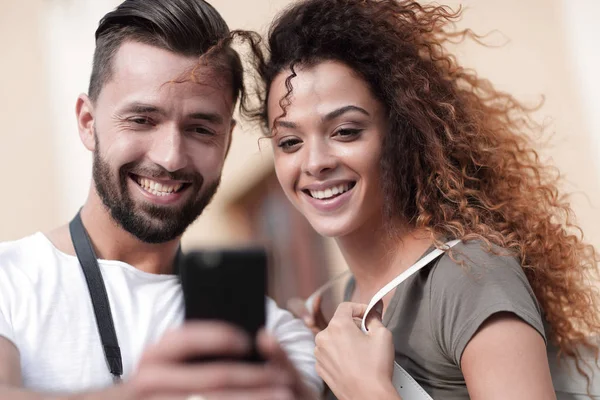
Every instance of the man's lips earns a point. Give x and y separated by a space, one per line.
160 191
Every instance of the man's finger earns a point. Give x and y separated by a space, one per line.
256 394
274 353
298 308
207 377
198 339
316 305
320 322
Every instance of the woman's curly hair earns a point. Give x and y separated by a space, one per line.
458 159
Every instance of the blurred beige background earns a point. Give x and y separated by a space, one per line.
46 46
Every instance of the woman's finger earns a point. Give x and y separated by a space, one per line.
375 316
349 310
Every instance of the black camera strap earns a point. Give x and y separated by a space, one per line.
93 277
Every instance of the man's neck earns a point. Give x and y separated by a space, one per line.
112 242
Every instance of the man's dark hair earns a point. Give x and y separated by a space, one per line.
186 27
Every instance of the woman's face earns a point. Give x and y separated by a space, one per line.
327 147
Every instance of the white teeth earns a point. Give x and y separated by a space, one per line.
330 192
157 188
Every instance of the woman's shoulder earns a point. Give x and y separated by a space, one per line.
473 282
477 263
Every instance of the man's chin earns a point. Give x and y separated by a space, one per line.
159 213
155 231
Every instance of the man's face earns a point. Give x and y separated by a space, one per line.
159 146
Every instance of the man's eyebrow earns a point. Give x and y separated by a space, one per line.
142 108
342 110
207 116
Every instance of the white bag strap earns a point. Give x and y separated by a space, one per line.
405 384
435 253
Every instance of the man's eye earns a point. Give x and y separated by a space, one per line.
203 131
140 120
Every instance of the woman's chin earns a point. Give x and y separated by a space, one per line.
330 230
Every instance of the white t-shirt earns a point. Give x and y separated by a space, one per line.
46 311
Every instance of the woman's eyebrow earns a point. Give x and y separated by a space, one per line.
342 110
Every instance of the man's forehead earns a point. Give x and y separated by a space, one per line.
149 70
139 59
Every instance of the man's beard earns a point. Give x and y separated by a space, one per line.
149 223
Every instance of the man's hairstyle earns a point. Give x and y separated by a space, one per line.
185 27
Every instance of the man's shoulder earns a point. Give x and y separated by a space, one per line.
280 321
24 252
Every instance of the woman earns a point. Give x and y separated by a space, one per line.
384 142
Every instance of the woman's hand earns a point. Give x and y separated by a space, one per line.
356 365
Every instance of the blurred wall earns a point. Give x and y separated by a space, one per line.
29 198
550 48
46 52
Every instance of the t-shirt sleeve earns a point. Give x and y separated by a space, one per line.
5 328
464 296
297 341
6 299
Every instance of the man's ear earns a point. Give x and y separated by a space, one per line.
233 124
84 109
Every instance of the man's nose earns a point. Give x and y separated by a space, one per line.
168 149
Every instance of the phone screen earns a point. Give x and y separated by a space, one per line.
226 285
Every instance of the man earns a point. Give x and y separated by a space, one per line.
159 125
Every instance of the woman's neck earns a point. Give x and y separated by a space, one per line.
376 256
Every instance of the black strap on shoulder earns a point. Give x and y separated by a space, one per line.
93 276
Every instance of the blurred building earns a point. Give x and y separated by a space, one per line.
549 48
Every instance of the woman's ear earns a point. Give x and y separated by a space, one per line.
84 109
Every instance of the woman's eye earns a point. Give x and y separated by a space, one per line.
347 133
288 144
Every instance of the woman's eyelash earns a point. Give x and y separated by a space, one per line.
286 144
348 132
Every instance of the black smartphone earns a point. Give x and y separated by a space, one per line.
226 285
